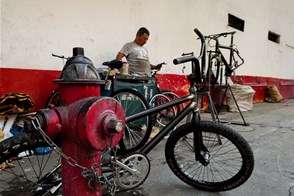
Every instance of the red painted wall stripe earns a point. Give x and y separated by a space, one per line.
38 84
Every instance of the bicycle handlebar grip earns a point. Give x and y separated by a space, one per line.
184 59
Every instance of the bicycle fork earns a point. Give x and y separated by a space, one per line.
201 153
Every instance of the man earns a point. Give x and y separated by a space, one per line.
137 55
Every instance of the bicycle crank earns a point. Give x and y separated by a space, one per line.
132 171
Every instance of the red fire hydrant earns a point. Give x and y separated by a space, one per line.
86 123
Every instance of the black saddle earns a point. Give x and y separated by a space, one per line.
114 64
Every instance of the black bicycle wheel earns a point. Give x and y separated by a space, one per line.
138 131
230 158
53 100
28 166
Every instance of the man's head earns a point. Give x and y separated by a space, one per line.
142 36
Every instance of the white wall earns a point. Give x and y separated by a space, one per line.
34 29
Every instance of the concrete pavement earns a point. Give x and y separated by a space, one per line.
270 134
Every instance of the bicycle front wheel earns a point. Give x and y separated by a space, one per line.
138 131
28 167
230 158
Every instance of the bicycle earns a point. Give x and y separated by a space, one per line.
204 154
212 145
218 60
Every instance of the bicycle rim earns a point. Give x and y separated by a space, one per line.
231 160
173 96
164 116
26 166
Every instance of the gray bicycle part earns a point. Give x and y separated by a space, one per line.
132 171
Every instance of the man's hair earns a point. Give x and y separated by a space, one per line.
142 30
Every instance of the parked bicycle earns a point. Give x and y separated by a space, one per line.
204 154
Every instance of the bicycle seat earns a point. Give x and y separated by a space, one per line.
114 64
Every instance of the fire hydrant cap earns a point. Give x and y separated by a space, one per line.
79 69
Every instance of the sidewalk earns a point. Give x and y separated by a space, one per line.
271 136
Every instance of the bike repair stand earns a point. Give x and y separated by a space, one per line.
213 111
228 87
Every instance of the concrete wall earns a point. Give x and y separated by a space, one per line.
33 29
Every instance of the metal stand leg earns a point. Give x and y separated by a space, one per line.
214 113
229 87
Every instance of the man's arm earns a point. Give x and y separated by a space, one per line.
120 56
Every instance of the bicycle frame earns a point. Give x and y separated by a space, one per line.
192 106
229 67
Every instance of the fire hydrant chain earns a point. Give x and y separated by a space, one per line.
93 177
90 175
70 161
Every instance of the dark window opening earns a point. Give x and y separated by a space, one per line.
236 22
274 37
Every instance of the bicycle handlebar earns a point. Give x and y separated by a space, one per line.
197 71
202 51
62 57
184 59
160 64
215 36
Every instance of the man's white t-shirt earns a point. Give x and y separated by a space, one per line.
138 59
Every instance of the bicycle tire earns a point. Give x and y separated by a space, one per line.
27 173
137 132
53 99
221 142
163 117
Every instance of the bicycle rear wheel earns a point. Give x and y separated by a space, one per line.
53 99
164 116
173 96
137 131
230 158
24 170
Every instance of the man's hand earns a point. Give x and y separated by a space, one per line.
160 65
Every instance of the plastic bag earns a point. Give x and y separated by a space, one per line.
244 97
